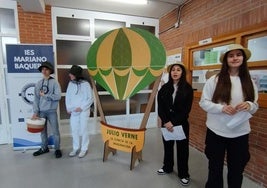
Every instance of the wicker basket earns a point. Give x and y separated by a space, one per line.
35 125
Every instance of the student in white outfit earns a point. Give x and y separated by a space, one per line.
229 93
79 98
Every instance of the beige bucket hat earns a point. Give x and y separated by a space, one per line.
236 47
176 63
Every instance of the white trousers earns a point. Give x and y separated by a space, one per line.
79 127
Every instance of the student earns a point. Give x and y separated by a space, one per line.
47 94
79 98
229 94
174 104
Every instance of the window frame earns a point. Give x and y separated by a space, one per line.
240 38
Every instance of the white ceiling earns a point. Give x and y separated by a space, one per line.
154 8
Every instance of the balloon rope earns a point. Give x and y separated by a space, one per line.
99 106
150 103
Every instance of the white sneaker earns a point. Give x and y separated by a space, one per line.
185 181
82 154
161 172
73 153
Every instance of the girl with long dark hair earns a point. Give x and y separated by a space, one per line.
226 96
174 104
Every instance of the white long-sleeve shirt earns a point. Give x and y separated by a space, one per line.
214 110
79 94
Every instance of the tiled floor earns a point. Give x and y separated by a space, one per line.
20 169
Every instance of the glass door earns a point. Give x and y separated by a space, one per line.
3 106
8 35
5 127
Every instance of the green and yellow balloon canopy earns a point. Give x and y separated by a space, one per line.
126 60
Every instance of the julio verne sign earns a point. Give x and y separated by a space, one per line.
123 139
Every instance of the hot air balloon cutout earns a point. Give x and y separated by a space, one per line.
124 61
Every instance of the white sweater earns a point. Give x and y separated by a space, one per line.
214 110
79 94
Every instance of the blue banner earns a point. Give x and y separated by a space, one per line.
23 59
27 58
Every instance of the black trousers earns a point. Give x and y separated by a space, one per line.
237 151
182 148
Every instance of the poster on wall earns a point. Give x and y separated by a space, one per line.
22 72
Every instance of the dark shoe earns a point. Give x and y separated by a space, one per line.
185 181
41 151
58 153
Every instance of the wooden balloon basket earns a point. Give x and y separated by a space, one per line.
124 139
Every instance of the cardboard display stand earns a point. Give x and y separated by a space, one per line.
124 139
124 61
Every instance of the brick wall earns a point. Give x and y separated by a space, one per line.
35 28
197 126
203 19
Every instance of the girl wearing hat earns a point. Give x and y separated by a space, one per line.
174 104
225 97
79 98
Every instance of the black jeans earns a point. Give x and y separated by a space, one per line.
182 147
237 150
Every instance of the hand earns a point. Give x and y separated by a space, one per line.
228 109
41 93
34 116
243 106
78 109
169 126
69 112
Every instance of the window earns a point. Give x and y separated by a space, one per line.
258 47
71 26
151 29
103 26
7 21
256 42
72 52
208 56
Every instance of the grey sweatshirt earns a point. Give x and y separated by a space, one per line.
48 102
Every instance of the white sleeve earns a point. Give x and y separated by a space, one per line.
254 105
206 98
